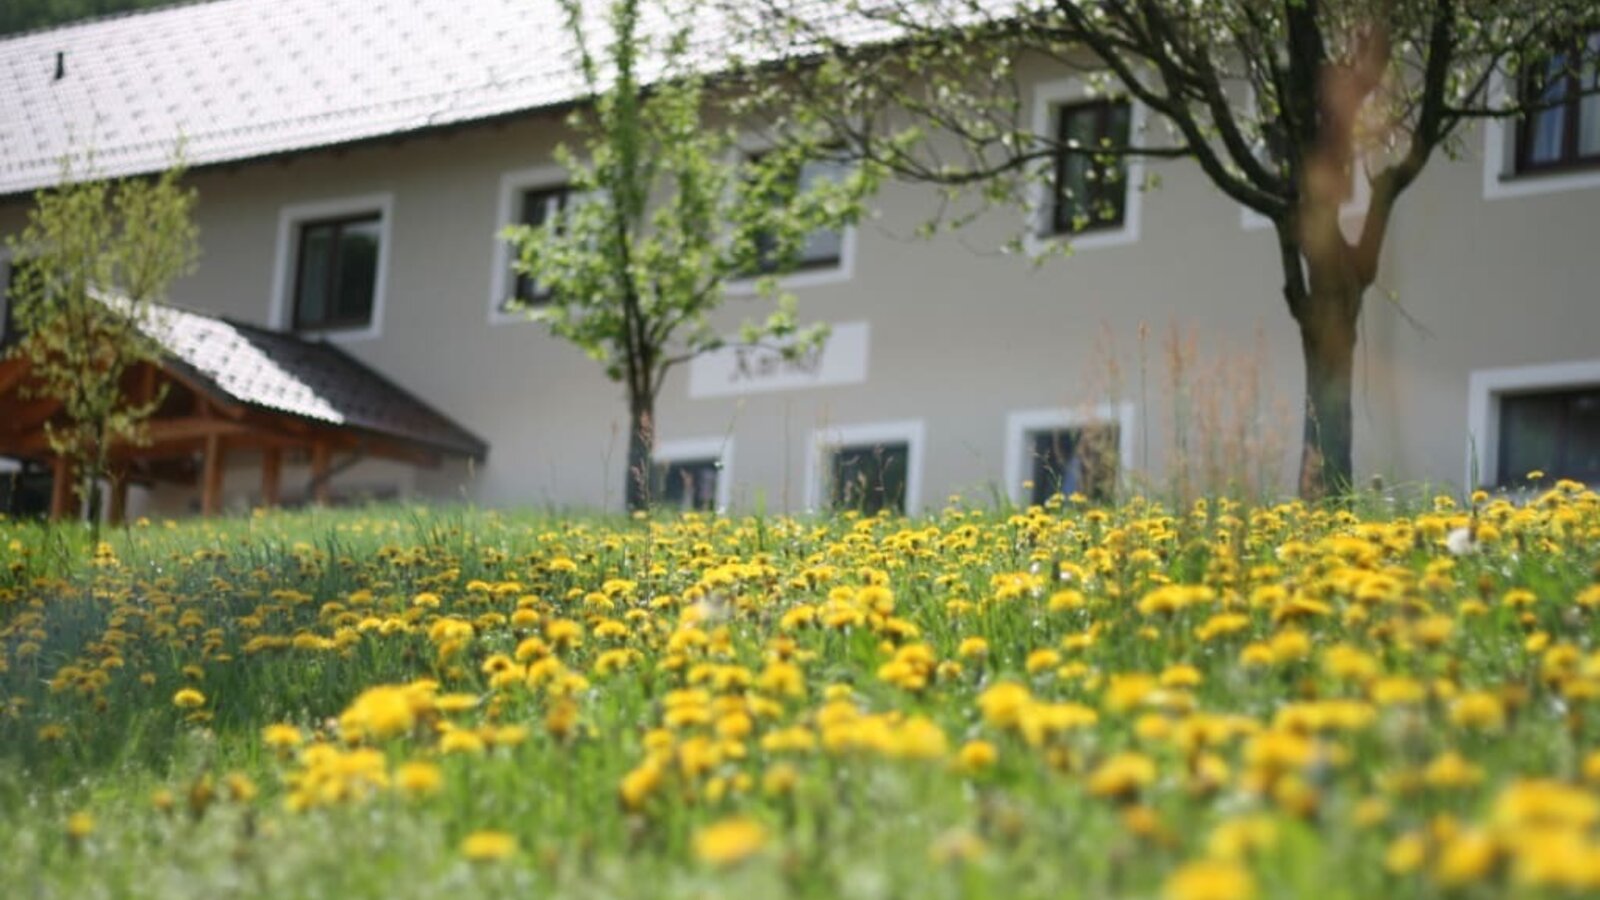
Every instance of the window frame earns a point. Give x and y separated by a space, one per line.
1102 109
1049 98
515 185
1486 387
1522 134
824 442
292 219
693 449
805 275
1506 478
303 229
1023 424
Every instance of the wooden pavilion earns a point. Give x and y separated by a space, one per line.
227 387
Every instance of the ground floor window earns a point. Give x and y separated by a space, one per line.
1069 461
868 468
869 478
1556 432
686 484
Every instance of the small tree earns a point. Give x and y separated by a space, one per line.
665 217
93 258
1279 102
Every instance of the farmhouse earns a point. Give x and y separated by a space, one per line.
356 159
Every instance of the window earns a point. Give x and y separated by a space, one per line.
1072 460
687 484
336 272
870 477
539 205
866 467
823 248
1565 132
9 270
1090 191
1556 432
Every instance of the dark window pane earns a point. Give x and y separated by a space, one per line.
1556 432
1582 457
358 272
1072 460
870 478
687 484
311 287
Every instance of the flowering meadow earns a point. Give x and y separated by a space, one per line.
1208 702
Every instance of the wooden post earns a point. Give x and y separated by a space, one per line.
321 459
117 504
211 479
271 476
61 489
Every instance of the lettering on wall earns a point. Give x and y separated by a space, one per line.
743 369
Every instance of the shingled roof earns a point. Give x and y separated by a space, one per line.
308 379
241 79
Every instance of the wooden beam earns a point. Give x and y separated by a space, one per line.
61 489
211 481
161 431
271 476
321 469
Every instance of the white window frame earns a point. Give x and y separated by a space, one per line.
823 442
1022 423
508 212
286 262
1048 98
1501 181
1485 387
686 449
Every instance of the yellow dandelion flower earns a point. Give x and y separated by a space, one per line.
188 698
1210 880
488 846
729 841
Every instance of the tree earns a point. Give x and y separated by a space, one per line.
23 15
93 258
635 266
1279 102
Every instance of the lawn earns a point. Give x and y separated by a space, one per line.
1210 702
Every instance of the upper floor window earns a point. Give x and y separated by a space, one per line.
539 206
336 272
824 247
1556 432
1565 131
1090 190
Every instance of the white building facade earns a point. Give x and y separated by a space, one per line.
952 369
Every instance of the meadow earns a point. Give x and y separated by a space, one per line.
1216 701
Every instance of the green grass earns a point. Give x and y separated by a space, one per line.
188 605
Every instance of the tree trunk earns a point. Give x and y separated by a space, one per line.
641 443
1328 340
